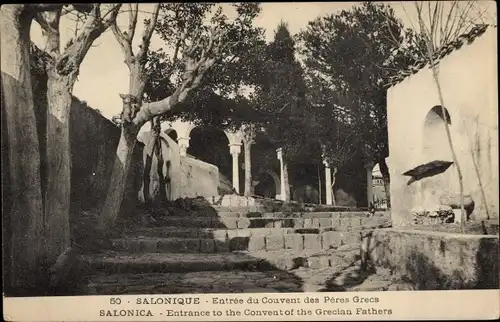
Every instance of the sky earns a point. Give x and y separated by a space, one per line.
103 73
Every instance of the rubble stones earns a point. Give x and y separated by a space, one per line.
439 214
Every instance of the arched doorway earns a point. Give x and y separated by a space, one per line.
172 134
268 186
435 146
211 145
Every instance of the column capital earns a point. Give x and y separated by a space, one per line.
183 141
326 163
369 165
235 148
183 145
280 154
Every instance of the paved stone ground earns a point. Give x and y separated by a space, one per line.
195 282
344 275
350 279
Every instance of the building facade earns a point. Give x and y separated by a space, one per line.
417 135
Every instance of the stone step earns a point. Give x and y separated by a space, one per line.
492 227
281 208
235 281
233 202
118 263
185 232
238 240
282 214
133 263
343 222
287 260
245 213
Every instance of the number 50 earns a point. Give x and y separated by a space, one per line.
115 300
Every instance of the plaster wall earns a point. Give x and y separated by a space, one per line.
198 178
468 79
185 176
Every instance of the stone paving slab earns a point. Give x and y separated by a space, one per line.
291 259
113 262
236 201
238 240
248 213
337 278
344 224
235 281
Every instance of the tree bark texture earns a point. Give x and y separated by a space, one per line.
384 170
119 177
23 207
58 163
248 169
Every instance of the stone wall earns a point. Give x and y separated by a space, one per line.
93 148
469 84
198 178
436 260
185 176
170 169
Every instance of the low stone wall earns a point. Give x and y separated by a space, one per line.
236 202
198 178
93 148
436 260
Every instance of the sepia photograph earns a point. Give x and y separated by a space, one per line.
249 148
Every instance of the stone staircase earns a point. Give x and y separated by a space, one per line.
238 245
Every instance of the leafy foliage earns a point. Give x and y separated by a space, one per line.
349 57
187 30
281 96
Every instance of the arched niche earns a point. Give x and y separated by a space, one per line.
435 146
211 144
435 142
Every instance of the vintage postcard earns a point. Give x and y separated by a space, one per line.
309 161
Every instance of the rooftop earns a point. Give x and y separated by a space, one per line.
461 40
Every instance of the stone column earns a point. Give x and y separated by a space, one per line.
369 182
183 146
328 183
235 150
282 195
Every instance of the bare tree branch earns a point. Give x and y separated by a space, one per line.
49 22
190 80
94 26
125 44
132 20
148 32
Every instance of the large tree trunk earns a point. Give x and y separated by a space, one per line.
58 163
248 169
119 177
23 213
124 151
384 170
